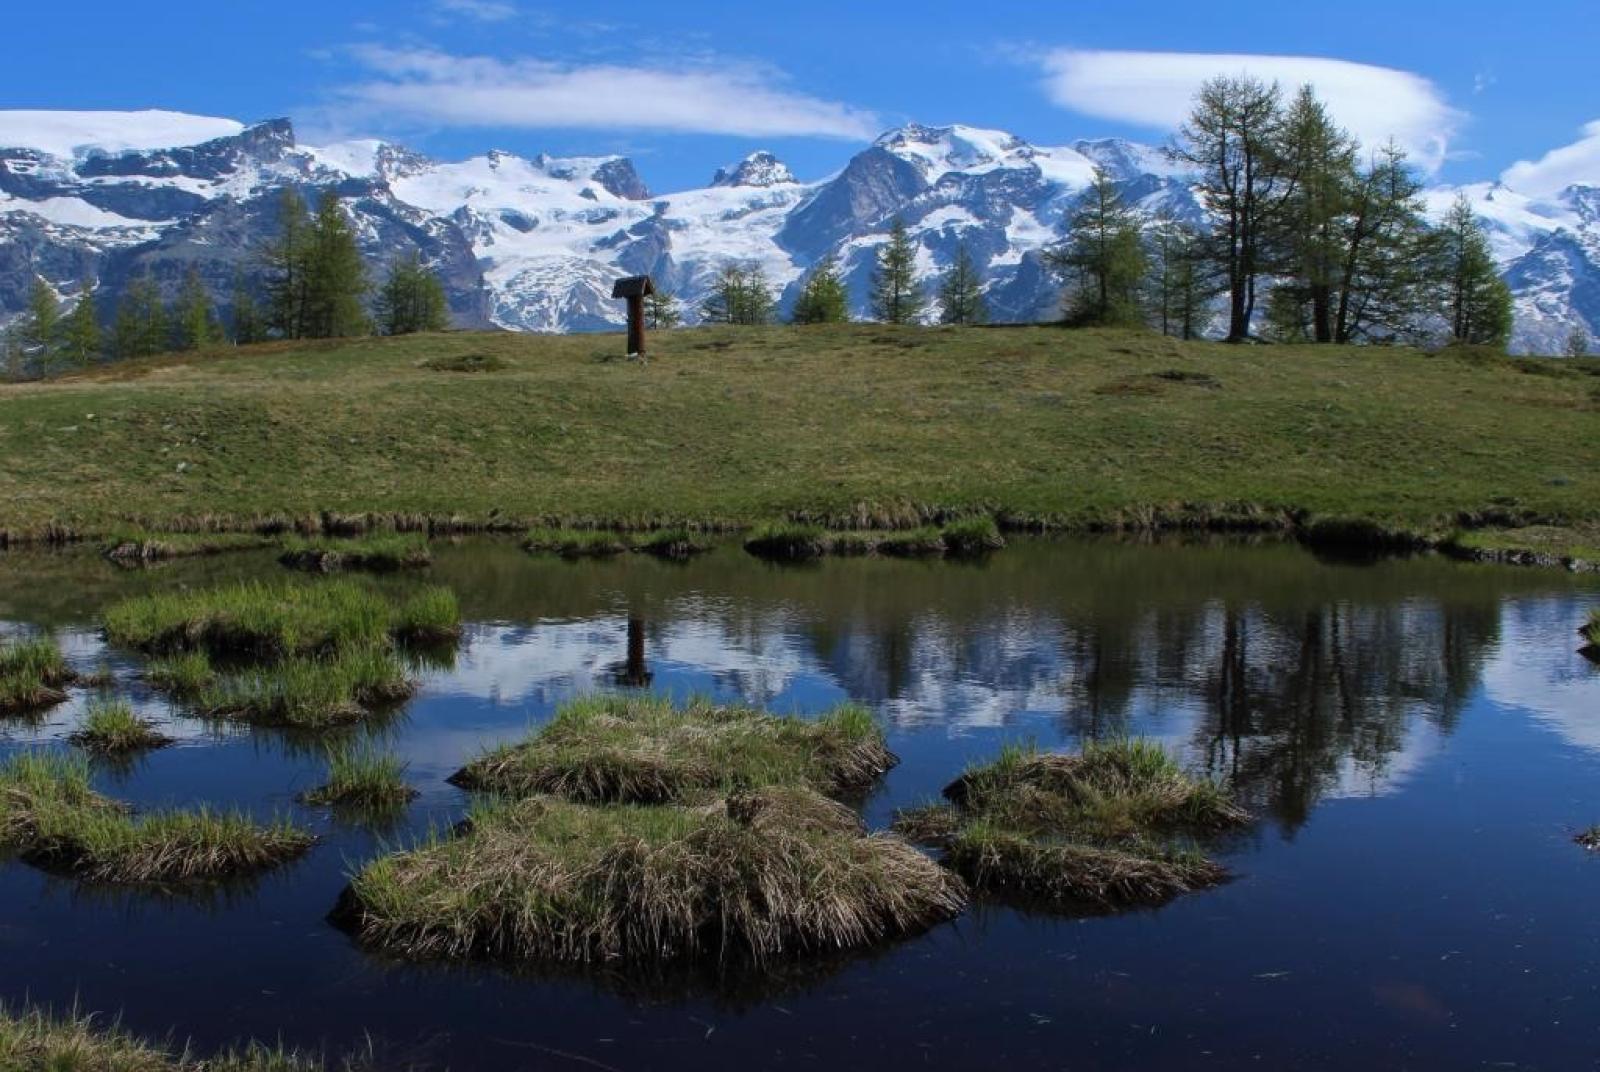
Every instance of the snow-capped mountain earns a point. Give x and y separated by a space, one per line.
534 244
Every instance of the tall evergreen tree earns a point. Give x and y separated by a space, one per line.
897 298
249 324
1477 302
661 312
411 299
285 261
1381 287
194 319
40 335
80 330
1103 259
961 292
1231 140
741 295
1180 288
336 282
141 327
823 298
1317 162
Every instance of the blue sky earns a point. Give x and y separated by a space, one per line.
684 87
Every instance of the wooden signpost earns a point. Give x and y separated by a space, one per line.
635 288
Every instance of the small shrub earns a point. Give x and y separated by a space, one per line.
575 543
33 676
363 779
636 749
111 727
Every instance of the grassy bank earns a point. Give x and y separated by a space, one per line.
852 426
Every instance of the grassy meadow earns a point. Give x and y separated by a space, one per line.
847 426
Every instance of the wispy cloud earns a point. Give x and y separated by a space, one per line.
1156 89
418 85
477 10
1577 164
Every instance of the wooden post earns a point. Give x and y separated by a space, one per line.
635 289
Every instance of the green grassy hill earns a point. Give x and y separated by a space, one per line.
858 424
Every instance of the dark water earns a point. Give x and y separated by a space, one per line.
1418 737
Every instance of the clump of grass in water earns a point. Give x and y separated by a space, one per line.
33 676
973 536
138 546
677 544
110 727
774 873
1591 635
787 540
574 543
635 749
1084 830
925 542
184 676
362 778
308 692
384 553
52 816
274 621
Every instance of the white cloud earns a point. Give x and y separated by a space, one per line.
420 85
1157 89
480 10
1577 164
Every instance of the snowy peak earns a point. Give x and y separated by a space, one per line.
937 151
760 168
76 135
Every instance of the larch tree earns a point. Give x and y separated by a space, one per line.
961 292
40 333
411 299
141 326
1381 287
1316 162
1230 140
823 298
1180 287
897 297
284 260
81 342
1476 301
336 283
1103 260
248 322
194 316
661 311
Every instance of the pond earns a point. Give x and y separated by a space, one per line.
1418 739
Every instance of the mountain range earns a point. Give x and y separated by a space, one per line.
535 244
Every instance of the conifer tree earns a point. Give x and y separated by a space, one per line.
1230 140
1577 342
823 299
1381 290
661 311
141 327
194 320
1103 259
961 292
1180 288
80 330
249 325
41 325
285 260
1477 302
1317 163
897 298
411 299
336 282
741 295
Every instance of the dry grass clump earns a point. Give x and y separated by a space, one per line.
771 874
33 676
362 778
381 553
643 750
110 727
574 543
54 818
137 547
1095 829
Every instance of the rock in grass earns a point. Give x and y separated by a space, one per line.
574 543
50 814
1095 830
110 727
33 676
386 553
774 874
636 749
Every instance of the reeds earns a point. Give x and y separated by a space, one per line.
644 750
33 676
1101 829
54 818
777 873
110 727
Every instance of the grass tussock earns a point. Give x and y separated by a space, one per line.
644 750
267 622
574 543
380 553
791 542
677 544
307 692
772 874
54 818
1101 829
138 547
1591 634
362 778
33 675
110 727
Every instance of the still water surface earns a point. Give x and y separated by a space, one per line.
1418 738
